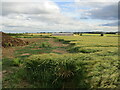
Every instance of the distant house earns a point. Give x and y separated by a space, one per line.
62 34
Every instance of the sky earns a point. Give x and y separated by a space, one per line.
59 16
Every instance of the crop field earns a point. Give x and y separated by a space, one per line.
87 61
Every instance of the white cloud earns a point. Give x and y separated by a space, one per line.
56 23
29 8
95 9
116 23
43 16
109 12
37 16
23 0
96 0
105 29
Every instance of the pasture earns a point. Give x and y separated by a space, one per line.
87 61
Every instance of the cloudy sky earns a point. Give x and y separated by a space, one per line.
59 15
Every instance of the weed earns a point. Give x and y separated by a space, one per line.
74 49
88 50
17 62
45 45
55 70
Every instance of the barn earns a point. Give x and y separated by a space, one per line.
62 34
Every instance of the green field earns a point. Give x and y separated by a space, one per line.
104 44
87 61
103 51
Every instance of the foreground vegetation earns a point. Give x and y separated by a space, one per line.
73 70
87 62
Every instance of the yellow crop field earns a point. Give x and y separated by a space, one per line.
40 34
92 41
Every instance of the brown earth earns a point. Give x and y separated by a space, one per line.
8 52
59 51
8 41
59 44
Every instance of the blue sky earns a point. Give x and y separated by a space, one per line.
59 15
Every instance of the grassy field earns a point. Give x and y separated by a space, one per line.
14 58
103 44
87 61
103 50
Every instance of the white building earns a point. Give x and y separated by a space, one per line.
62 34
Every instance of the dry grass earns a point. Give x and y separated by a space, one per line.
60 51
58 44
8 52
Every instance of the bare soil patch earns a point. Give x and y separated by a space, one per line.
25 54
59 44
60 51
8 52
32 40
8 41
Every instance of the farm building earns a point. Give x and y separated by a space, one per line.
62 34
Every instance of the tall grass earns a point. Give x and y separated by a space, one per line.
72 71
56 71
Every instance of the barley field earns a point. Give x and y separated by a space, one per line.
87 61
